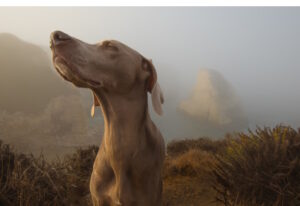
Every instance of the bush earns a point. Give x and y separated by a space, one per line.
26 180
191 163
260 168
31 181
187 172
175 148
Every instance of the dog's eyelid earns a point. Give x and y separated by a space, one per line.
105 43
109 45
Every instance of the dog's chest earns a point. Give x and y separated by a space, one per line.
125 151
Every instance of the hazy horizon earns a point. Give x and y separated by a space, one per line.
255 50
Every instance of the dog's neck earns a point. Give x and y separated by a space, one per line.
124 115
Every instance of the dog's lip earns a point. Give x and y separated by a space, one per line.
75 73
51 44
58 63
60 60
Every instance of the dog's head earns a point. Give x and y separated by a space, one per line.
109 65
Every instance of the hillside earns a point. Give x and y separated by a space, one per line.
27 80
39 111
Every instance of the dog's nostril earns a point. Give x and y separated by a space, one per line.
59 36
56 36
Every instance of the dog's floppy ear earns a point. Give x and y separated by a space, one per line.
153 86
96 103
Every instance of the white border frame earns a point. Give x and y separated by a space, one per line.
150 3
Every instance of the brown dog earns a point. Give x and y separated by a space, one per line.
127 169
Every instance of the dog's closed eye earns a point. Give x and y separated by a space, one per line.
109 45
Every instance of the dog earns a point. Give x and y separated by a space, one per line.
127 170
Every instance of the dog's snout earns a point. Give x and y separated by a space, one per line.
59 37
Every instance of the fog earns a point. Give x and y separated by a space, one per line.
213 100
59 129
248 57
38 110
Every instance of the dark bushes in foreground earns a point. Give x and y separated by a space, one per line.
260 168
29 181
179 147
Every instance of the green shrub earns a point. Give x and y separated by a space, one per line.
260 168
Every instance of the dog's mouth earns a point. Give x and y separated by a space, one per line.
63 68
67 71
71 73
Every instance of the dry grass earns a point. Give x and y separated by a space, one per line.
175 148
186 179
187 172
29 181
261 168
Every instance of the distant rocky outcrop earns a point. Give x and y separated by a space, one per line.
214 103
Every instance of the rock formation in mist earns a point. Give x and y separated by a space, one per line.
27 80
213 102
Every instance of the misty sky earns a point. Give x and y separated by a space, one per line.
256 49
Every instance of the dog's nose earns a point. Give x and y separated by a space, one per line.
59 37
